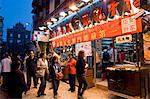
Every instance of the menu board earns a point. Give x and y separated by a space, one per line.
146 38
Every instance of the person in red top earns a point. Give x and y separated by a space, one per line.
71 63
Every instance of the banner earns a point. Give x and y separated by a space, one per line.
110 29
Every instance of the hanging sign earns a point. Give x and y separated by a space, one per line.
41 36
106 30
128 25
124 39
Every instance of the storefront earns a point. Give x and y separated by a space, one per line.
107 20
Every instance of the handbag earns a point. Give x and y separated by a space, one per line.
59 76
40 73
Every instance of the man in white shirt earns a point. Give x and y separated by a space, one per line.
6 69
113 55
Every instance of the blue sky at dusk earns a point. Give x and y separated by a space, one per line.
15 11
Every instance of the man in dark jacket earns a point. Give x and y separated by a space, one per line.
31 64
17 83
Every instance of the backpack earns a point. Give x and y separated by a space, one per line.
106 56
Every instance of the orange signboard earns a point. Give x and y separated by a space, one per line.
110 29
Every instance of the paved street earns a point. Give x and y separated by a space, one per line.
92 93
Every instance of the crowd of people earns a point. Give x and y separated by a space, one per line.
14 69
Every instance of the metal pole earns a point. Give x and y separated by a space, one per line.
94 60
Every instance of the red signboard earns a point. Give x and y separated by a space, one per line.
110 29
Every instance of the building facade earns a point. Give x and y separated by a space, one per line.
18 38
43 9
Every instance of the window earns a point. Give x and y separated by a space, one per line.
26 36
18 41
19 35
11 35
10 41
57 2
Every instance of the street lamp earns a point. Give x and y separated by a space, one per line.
86 0
42 28
31 27
63 14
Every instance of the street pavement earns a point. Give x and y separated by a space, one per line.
92 93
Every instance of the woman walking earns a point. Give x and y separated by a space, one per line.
80 69
42 71
71 63
56 74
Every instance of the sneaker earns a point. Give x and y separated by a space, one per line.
72 91
44 94
38 95
55 97
69 89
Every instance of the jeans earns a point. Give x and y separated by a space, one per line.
72 79
29 76
42 85
55 84
6 77
82 84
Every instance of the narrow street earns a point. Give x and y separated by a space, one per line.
92 93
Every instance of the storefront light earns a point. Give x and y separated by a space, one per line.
49 23
53 19
73 7
42 28
86 0
63 14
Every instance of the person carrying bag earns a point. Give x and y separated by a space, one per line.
56 74
42 72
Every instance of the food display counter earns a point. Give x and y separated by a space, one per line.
124 79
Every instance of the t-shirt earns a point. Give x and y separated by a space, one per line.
72 66
113 53
6 65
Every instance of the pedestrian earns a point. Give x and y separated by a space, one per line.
31 64
113 55
71 63
25 60
105 62
42 72
18 58
80 70
56 74
17 83
6 69
121 57
38 57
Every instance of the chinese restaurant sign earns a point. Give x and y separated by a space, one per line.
120 26
107 30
